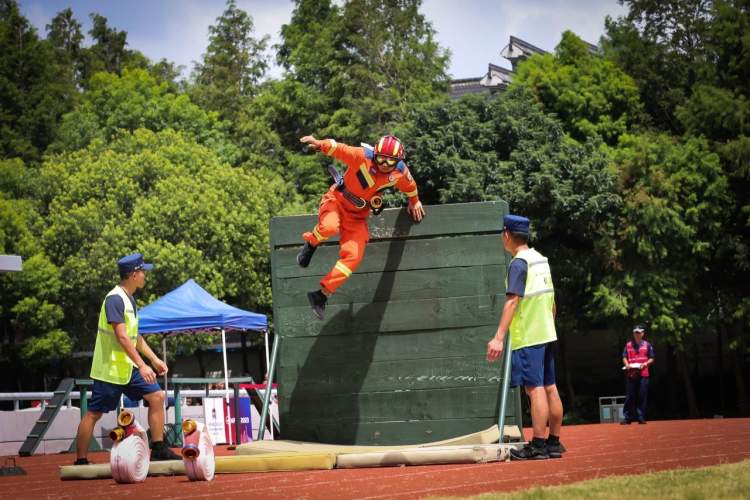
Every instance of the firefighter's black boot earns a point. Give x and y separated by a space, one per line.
318 302
305 255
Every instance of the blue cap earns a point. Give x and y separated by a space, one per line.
639 328
133 262
515 224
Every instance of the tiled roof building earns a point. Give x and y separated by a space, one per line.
498 78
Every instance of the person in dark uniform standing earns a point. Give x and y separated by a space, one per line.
637 356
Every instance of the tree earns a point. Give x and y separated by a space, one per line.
137 100
35 90
352 73
590 94
232 66
64 33
31 298
369 58
169 197
268 132
661 241
661 45
309 44
108 53
507 147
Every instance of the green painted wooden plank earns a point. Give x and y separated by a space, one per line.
402 255
399 285
404 346
462 218
350 375
407 315
405 336
382 433
428 404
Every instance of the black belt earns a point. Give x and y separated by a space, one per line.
351 197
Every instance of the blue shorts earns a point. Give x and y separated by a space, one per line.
533 366
106 396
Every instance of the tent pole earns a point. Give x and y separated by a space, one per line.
265 336
226 378
269 389
166 391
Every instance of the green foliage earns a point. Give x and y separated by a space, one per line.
137 100
368 59
590 94
673 198
478 148
53 345
716 113
35 90
31 297
268 132
232 66
452 148
167 196
108 53
15 178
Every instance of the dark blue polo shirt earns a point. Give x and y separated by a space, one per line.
114 307
517 277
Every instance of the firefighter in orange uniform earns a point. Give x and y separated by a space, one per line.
345 207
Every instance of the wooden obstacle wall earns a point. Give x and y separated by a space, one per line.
400 357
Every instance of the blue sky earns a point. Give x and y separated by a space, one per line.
474 30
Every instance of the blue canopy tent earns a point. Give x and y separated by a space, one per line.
191 309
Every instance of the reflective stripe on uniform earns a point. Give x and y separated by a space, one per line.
334 144
342 267
366 174
540 292
412 194
317 234
111 363
544 261
533 322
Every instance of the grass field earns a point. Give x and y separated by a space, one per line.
731 481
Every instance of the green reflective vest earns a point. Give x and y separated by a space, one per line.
533 322
111 363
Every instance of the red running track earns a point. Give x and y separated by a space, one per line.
593 451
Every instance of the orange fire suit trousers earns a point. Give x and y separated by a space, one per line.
334 218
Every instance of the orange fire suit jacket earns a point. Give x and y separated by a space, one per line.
363 178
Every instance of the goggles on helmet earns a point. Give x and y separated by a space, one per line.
382 159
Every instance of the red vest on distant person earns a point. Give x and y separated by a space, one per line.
639 356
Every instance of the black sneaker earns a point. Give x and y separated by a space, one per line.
318 302
625 422
305 255
529 452
160 451
81 461
555 450
641 422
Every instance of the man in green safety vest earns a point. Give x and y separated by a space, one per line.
119 349
529 314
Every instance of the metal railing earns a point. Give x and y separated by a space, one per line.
17 397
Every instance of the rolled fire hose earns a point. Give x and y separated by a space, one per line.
198 451
130 456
